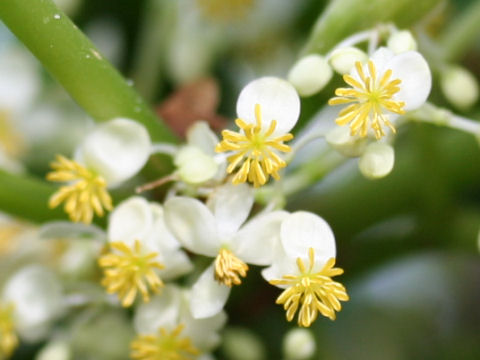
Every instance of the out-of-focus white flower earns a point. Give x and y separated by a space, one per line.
214 230
402 41
387 86
167 319
459 87
343 59
377 161
111 154
196 162
310 74
267 108
36 296
299 344
143 251
308 286
55 350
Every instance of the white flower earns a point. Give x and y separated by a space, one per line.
308 284
214 230
387 86
111 154
267 108
36 296
138 235
172 309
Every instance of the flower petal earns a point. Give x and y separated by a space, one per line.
208 296
413 70
303 230
255 242
161 312
231 205
131 220
278 100
192 224
117 150
201 136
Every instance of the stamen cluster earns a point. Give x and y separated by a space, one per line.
86 194
129 271
229 268
8 337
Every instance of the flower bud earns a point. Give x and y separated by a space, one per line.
310 74
194 166
340 139
242 344
56 350
459 87
402 41
377 161
299 344
343 60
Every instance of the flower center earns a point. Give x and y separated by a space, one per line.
128 271
164 346
229 268
8 338
10 140
225 10
313 293
86 194
256 149
371 97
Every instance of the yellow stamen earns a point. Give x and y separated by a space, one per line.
10 139
128 271
164 346
8 232
229 268
86 194
8 338
371 97
225 10
313 292
256 149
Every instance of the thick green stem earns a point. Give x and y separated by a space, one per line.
461 33
343 17
75 62
27 198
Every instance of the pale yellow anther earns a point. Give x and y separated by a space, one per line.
370 98
128 271
8 337
229 268
164 345
312 293
85 195
225 10
254 150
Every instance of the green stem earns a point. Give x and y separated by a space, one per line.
75 62
344 17
27 198
461 33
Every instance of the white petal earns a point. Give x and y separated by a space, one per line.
161 312
303 230
256 241
208 296
282 265
278 100
192 224
200 135
380 58
160 238
176 263
231 205
117 150
131 220
413 70
67 229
